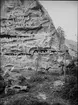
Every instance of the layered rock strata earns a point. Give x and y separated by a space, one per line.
29 40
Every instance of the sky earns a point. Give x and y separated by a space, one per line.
64 14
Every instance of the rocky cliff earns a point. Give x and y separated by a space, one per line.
29 40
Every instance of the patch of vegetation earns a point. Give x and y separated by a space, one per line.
71 69
69 91
27 101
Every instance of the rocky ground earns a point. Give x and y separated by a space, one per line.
41 88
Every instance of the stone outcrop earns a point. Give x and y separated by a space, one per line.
29 40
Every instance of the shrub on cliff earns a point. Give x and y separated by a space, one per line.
69 91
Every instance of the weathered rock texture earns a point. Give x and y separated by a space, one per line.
29 40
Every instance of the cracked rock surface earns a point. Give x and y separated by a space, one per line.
26 31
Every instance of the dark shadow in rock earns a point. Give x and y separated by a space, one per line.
39 103
1 104
57 104
2 85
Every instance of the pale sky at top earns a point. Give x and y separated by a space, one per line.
64 14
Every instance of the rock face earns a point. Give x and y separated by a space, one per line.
29 40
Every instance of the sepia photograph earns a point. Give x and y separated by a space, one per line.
38 52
